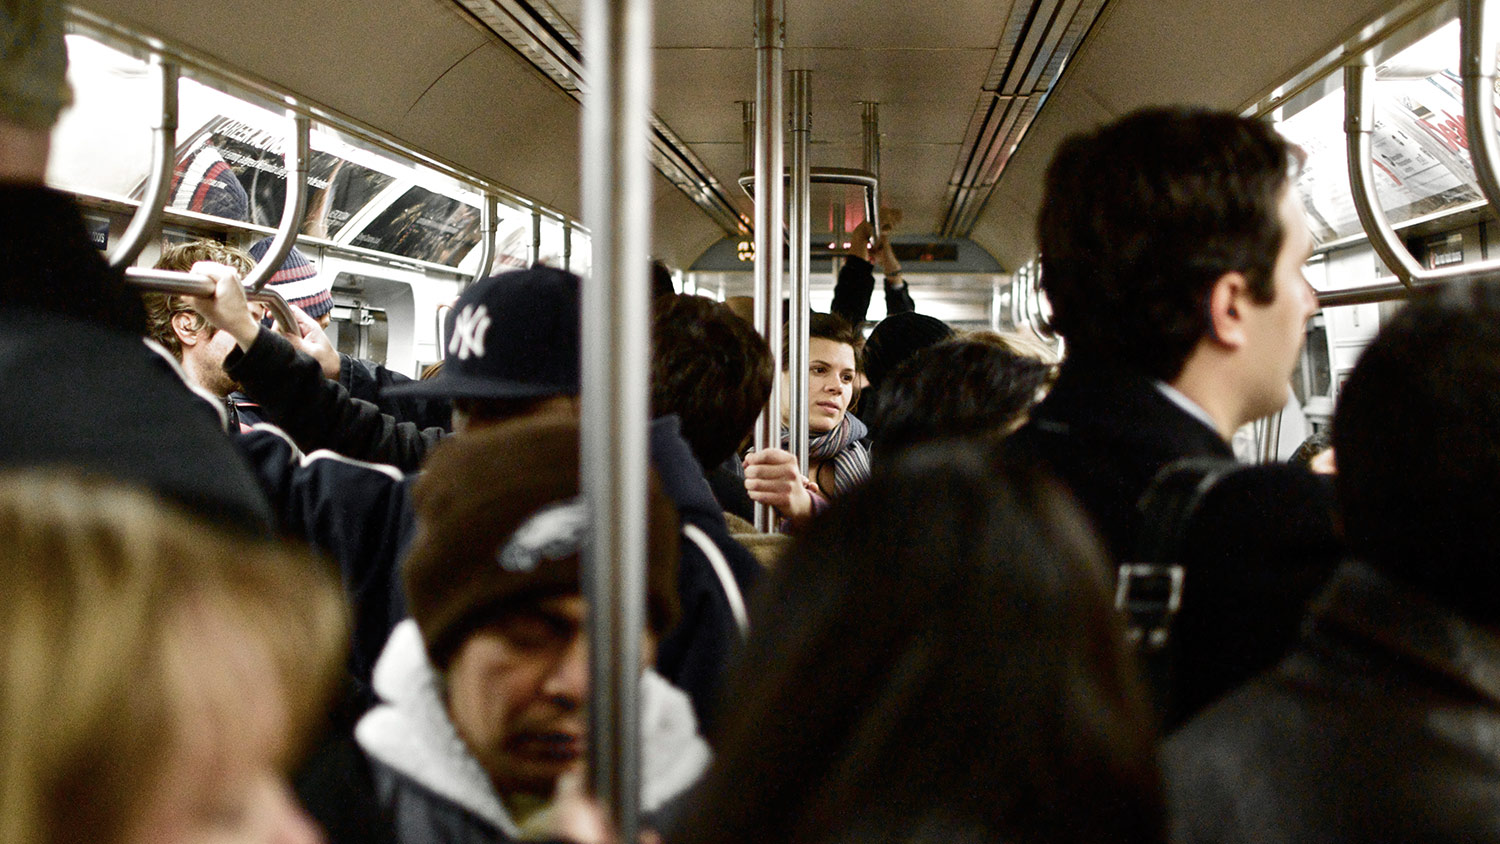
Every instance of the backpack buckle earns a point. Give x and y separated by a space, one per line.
1149 595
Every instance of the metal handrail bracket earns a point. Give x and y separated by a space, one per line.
145 224
1359 128
488 223
292 210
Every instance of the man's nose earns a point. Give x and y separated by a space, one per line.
567 684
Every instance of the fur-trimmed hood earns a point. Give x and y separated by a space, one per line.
410 732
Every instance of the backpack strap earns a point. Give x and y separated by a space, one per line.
1149 588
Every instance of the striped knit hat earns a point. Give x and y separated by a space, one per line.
298 281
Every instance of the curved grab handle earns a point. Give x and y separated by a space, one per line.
1359 128
292 210
191 284
1477 60
145 224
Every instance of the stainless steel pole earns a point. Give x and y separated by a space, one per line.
770 192
801 257
747 116
536 236
616 348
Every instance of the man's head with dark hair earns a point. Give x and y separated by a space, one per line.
1141 219
1417 434
711 369
661 280
966 387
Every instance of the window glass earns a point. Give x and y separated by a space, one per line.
424 225
513 239
552 242
101 145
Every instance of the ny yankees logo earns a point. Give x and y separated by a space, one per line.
468 332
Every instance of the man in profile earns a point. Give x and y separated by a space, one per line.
1172 246
1381 725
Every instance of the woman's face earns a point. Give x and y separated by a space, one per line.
830 385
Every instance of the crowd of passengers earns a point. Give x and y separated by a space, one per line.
260 591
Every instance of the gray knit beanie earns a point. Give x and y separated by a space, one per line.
33 63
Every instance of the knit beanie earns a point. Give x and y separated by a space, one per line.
297 281
897 338
33 63
500 522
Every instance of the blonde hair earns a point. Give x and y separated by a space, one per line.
108 599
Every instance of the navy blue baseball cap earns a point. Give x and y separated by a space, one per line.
510 336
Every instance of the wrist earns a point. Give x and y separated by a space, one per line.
244 333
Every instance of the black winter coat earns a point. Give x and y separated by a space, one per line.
1384 725
1260 547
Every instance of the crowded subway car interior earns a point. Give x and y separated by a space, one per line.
717 567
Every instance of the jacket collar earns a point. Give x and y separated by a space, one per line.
1371 606
411 733
1110 402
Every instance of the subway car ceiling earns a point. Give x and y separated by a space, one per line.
489 86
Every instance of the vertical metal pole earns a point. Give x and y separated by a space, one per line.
770 191
801 258
567 245
536 236
871 120
747 117
615 401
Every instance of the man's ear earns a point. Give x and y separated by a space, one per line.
186 324
1228 302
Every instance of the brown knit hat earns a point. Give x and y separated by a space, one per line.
500 521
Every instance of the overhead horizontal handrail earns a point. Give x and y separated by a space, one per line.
487 226
193 284
292 209
1477 62
1367 295
145 224
1359 128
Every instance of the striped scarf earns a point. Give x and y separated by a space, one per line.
851 458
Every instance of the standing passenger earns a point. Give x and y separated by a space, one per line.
838 457
1381 726
82 388
1172 248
